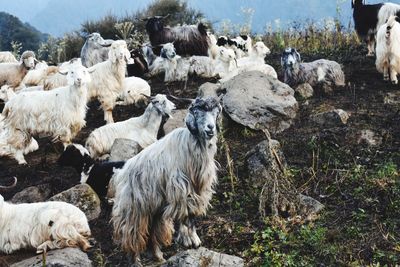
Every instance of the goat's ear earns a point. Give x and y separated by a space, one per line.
297 55
106 44
63 72
91 70
191 123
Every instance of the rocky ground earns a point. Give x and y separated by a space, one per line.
342 149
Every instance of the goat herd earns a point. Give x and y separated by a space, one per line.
171 179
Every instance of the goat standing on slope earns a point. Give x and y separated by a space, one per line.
172 179
95 50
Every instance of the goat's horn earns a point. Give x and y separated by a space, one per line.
190 100
147 96
62 72
10 186
236 63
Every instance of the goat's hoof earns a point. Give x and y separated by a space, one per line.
370 54
394 82
386 78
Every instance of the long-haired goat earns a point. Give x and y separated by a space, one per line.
189 40
141 129
12 74
135 91
108 78
95 50
172 179
60 113
42 226
388 49
318 72
95 174
54 77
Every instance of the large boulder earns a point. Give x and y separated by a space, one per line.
260 102
202 257
58 258
177 120
33 194
83 197
124 149
209 89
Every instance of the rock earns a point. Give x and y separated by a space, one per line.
392 99
33 194
331 118
58 258
310 205
304 90
261 163
209 89
203 257
177 120
260 102
124 149
83 197
369 137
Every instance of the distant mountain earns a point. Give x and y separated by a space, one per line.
59 16
12 29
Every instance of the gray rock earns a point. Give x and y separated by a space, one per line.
258 101
33 194
83 197
58 258
261 163
310 205
209 89
331 118
177 120
392 99
124 149
369 137
304 90
203 257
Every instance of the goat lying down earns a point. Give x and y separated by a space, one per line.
172 179
95 174
42 226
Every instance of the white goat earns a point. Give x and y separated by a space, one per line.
59 113
13 73
319 72
6 92
388 49
141 129
95 50
135 91
54 79
213 48
37 75
42 226
256 55
172 179
108 78
7 57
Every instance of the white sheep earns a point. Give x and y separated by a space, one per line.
7 57
388 49
12 74
59 113
42 226
108 78
141 129
135 91
319 72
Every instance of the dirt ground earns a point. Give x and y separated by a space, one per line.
233 220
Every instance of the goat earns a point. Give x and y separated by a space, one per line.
189 40
319 72
172 179
139 67
7 57
95 50
59 113
12 74
36 76
42 226
95 174
141 129
54 77
388 49
135 91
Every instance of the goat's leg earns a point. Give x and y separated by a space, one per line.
187 234
19 157
386 73
393 75
134 261
371 45
108 117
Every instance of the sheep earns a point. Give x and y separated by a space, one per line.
95 50
7 57
37 75
141 129
12 74
59 113
135 91
139 67
319 72
388 50
189 40
108 78
42 226
172 179
95 174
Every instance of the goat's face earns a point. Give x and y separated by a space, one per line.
202 117
119 52
168 51
226 54
290 57
78 76
261 49
29 61
154 24
163 105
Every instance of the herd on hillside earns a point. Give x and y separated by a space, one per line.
171 180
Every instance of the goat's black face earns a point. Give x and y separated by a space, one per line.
290 57
202 117
154 24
